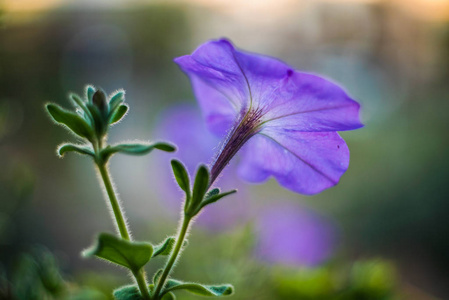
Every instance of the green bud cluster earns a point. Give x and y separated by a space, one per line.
91 120
93 115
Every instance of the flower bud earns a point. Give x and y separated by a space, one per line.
100 100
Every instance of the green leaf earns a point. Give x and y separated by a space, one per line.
116 100
100 126
215 198
157 275
169 296
212 193
118 114
127 292
181 176
165 247
199 289
131 292
132 255
73 121
136 149
90 91
77 101
199 187
81 149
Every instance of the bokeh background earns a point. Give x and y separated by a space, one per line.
382 233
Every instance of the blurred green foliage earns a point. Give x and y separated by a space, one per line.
37 276
364 280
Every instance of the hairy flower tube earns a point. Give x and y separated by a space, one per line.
284 121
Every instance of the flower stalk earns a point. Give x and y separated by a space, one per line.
196 200
182 235
120 221
118 214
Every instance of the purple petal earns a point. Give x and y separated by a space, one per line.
218 112
217 79
307 102
292 235
304 162
228 81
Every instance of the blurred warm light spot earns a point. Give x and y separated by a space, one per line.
257 11
29 5
431 10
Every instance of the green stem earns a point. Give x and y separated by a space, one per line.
173 256
142 284
121 224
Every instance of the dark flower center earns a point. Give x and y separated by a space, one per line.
248 126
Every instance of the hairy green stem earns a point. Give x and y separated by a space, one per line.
121 224
182 234
142 284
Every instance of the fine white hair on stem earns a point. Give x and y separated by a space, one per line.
108 202
179 228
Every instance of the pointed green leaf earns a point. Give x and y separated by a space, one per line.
199 187
212 193
181 176
127 292
77 100
132 255
81 149
215 198
199 289
100 126
118 114
136 149
90 91
73 121
165 247
157 275
116 100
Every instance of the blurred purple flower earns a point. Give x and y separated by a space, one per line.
183 126
292 235
288 119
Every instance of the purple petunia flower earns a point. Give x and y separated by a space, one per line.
290 234
286 119
183 126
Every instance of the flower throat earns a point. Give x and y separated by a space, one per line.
239 135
